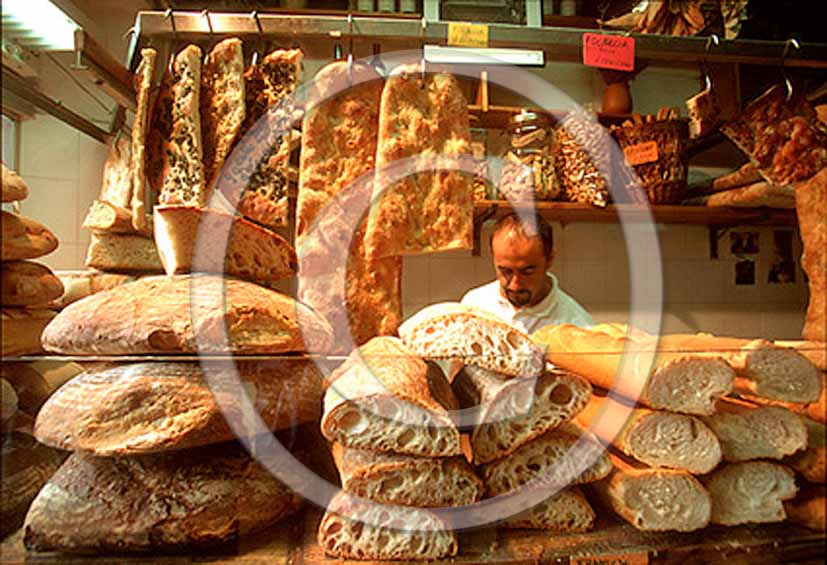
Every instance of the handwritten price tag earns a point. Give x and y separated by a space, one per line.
467 35
609 51
625 559
641 153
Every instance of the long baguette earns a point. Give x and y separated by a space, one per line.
678 382
812 462
808 508
749 492
566 511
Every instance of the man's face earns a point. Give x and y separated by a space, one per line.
521 267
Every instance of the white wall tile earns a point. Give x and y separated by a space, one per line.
586 282
53 203
66 256
585 242
91 158
48 148
416 272
450 278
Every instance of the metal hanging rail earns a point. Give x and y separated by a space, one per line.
564 44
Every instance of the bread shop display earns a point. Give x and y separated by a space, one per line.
236 322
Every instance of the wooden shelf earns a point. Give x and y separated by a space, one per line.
571 212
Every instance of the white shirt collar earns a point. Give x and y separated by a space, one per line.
545 305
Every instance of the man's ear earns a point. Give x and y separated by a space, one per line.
550 258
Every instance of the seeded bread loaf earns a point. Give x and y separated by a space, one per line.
141 202
13 187
187 314
509 412
679 382
26 283
384 398
169 501
568 511
407 480
24 238
749 492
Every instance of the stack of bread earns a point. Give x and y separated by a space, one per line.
387 412
518 414
703 430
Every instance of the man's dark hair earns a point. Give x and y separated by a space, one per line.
527 224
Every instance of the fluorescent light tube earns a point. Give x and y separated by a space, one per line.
438 54
41 22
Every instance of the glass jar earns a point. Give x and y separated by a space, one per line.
528 172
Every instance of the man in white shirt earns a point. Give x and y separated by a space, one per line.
526 294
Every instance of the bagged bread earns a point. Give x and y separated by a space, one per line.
510 412
656 438
679 382
141 204
237 246
811 206
559 451
406 480
811 463
187 314
26 283
123 252
425 119
450 330
139 408
13 187
567 511
183 500
746 431
655 500
222 105
24 238
359 530
749 492
22 329
384 398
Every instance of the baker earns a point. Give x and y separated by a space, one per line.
526 294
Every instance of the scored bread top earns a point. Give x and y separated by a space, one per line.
453 330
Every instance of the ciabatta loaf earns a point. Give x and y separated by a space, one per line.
811 208
746 431
678 382
152 407
812 462
568 511
14 188
360 530
509 412
184 500
24 238
237 247
141 202
123 252
187 314
655 499
749 492
22 329
407 480
385 398
26 283
450 330
653 437
559 457
808 508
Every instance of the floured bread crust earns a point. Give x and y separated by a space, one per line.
13 186
24 238
143 86
26 283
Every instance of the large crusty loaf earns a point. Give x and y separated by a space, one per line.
26 466
430 208
34 382
165 501
510 412
14 188
384 398
749 492
566 511
812 462
183 177
351 529
677 382
123 252
104 217
655 499
187 314
407 480
26 283
222 104
22 329
556 458
151 407
137 167
450 330
82 283
761 367
24 238
9 405
228 244
746 431
653 437
809 508
361 297
811 208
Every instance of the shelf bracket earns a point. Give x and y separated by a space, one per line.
716 232
479 220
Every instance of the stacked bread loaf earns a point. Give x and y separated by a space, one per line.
695 419
517 414
388 413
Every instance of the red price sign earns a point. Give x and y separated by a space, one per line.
609 51
641 153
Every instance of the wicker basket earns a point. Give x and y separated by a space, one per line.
663 180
